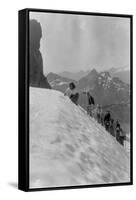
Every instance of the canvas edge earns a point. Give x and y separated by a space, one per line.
23 136
23 144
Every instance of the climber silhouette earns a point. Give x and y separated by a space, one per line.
72 93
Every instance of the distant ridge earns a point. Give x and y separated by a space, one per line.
74 75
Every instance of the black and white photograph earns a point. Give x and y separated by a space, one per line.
80 130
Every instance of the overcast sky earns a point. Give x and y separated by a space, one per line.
77 42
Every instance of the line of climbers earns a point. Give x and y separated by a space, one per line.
97 112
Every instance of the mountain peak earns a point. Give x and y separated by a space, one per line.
93 71
92 74
105 74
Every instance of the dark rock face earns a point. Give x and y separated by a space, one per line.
36 76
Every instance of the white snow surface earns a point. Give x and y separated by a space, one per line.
69 148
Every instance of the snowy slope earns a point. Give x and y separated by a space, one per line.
69 148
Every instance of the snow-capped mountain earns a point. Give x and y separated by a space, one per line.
110 92
105 88
68 148
123 73
58 82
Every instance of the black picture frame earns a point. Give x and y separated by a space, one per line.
23 133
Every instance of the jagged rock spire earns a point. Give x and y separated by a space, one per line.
36 76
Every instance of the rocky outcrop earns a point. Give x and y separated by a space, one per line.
36 76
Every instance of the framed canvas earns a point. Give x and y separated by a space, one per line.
75 99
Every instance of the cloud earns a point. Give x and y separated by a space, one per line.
77 42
